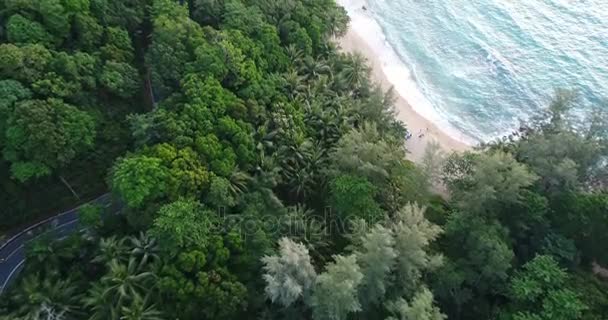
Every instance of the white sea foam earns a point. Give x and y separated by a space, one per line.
402 77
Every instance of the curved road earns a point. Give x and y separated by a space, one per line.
12 252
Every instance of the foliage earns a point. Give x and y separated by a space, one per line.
43 135
289 276
226 126
353 198
138 178
537 291
335 293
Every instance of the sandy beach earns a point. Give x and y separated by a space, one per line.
415 122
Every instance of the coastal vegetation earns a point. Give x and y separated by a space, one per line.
262 175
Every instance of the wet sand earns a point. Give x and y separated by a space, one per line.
415 123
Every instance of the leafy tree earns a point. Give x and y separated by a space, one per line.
120 79
421 307
127 14
22 30
365 152
478 182
186 176
89 32
194 279
583 217
118 46
479 258
138 179
11 92
537 292
90 215
43 135
289 276
181 223
377 258
335 291
413 234
353 197
220 193
55 16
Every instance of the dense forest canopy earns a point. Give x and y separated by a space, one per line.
262 175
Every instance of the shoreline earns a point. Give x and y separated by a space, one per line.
415 122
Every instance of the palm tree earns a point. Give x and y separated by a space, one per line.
294 54
338 24
355 72
145 249
301 225
112 249
294 83
38 298
98 303
314 68
238 182
123 282
140 309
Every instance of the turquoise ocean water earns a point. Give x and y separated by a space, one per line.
478 67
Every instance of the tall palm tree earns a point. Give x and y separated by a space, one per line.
355 72
99 304
294 54
314 68
238 182
123 282
302 225
111 249
140 309
145 249
294 83
37 298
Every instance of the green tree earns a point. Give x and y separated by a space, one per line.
11 92
413 235
44 135
118 46
89 32
141 309
181 223
194 278
421 307
138 179
44 298
335 291
22 30
377 258
290 275
124 283
353 197
120 79
537 292
480 182
479 259
583 217
563 154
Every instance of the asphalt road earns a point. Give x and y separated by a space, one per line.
12 252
